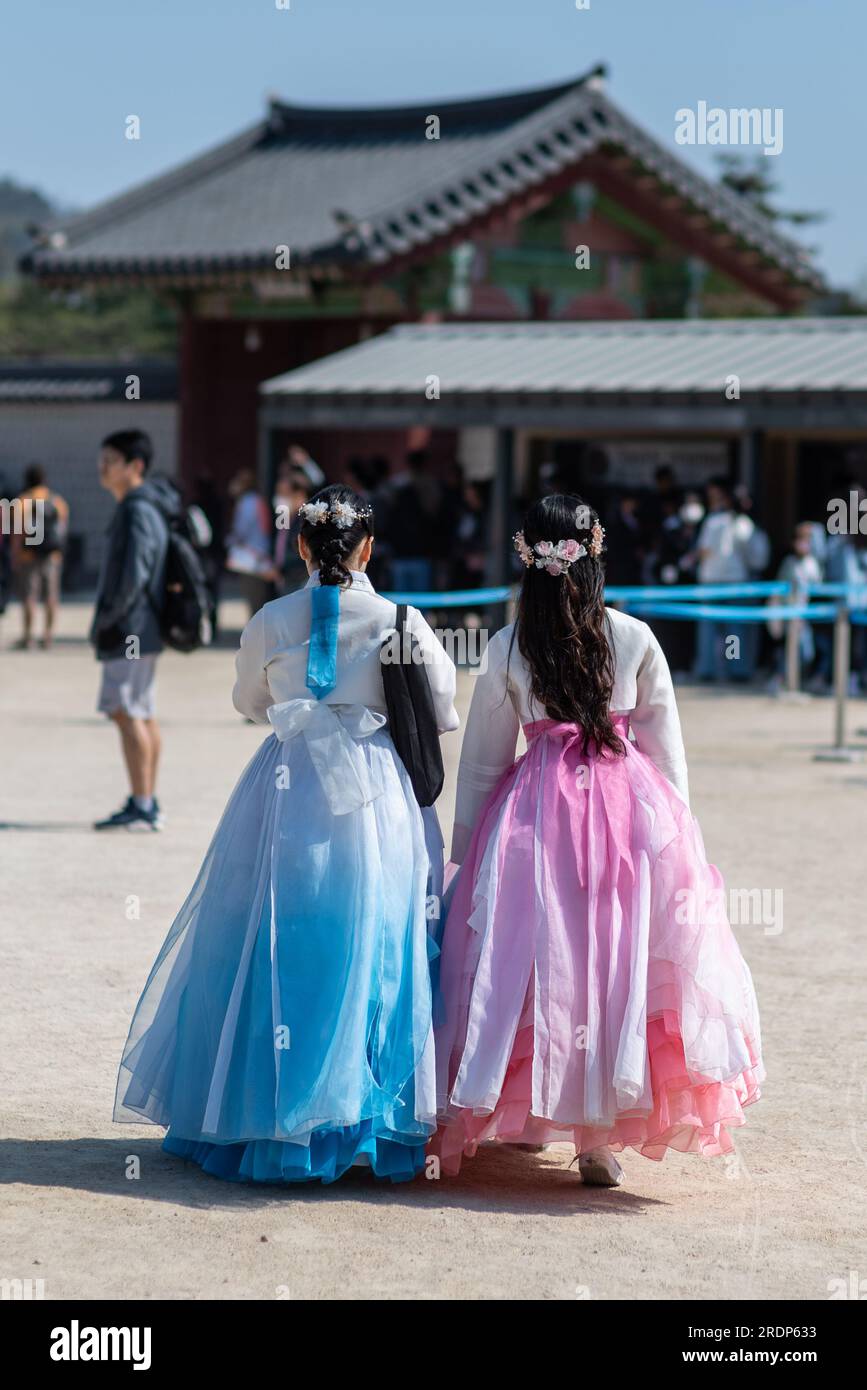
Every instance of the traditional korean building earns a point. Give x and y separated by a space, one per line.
318 228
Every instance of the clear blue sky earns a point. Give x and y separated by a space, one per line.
196 71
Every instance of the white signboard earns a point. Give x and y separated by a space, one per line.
634 462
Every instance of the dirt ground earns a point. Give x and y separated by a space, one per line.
781 1221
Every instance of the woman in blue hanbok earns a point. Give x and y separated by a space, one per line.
284 1033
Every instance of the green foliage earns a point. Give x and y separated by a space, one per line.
20 209
35 322
751 177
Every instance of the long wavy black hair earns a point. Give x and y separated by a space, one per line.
561 626
332 545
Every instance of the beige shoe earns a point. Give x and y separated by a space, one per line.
599 1168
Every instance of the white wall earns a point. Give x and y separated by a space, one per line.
65 438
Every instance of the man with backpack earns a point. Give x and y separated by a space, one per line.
127 624
37 557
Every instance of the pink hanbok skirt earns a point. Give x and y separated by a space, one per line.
591 987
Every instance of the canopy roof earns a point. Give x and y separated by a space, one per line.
587 372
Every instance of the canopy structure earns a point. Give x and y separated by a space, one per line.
757 389
728 375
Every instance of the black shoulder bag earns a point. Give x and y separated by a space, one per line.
412 720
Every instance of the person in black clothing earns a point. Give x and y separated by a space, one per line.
414 525
663 502
670 562
625 549
5 553
37 561
207 497
126 627
368 476
5 571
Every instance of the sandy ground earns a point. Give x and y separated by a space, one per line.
781 1221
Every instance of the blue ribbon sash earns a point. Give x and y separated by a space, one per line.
322 654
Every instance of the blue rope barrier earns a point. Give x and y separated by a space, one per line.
456 598
688 596
615 593
814 613
687 592
856 593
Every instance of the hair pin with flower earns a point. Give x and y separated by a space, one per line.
340 514
556 557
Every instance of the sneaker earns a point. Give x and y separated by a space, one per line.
129 817
159 818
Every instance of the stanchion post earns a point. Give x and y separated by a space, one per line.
793 647
842 652
838 752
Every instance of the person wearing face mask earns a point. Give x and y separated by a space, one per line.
726 553
691 515
670 563
799 569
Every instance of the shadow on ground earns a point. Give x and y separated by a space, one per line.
502 1180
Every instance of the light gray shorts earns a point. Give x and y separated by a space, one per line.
39 580
129 686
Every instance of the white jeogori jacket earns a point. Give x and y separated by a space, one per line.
271 665
502 703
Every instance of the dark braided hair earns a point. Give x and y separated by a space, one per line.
561 626
331 545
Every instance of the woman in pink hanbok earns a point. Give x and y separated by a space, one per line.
591 989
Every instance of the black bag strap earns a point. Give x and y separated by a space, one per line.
400 626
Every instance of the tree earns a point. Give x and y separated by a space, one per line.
37 322
20 208
750 177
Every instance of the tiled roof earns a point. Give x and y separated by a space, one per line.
86 381
346 188
662 357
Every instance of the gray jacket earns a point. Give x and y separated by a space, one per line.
132 581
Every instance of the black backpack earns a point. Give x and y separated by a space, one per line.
184 607
51 538
412 720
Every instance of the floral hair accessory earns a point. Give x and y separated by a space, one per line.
314 512
597 536
556 557
340 514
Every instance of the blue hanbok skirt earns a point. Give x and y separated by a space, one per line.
284 1033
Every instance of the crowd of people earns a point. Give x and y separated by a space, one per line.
433 528
240 533
434 532
676 535
433 535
